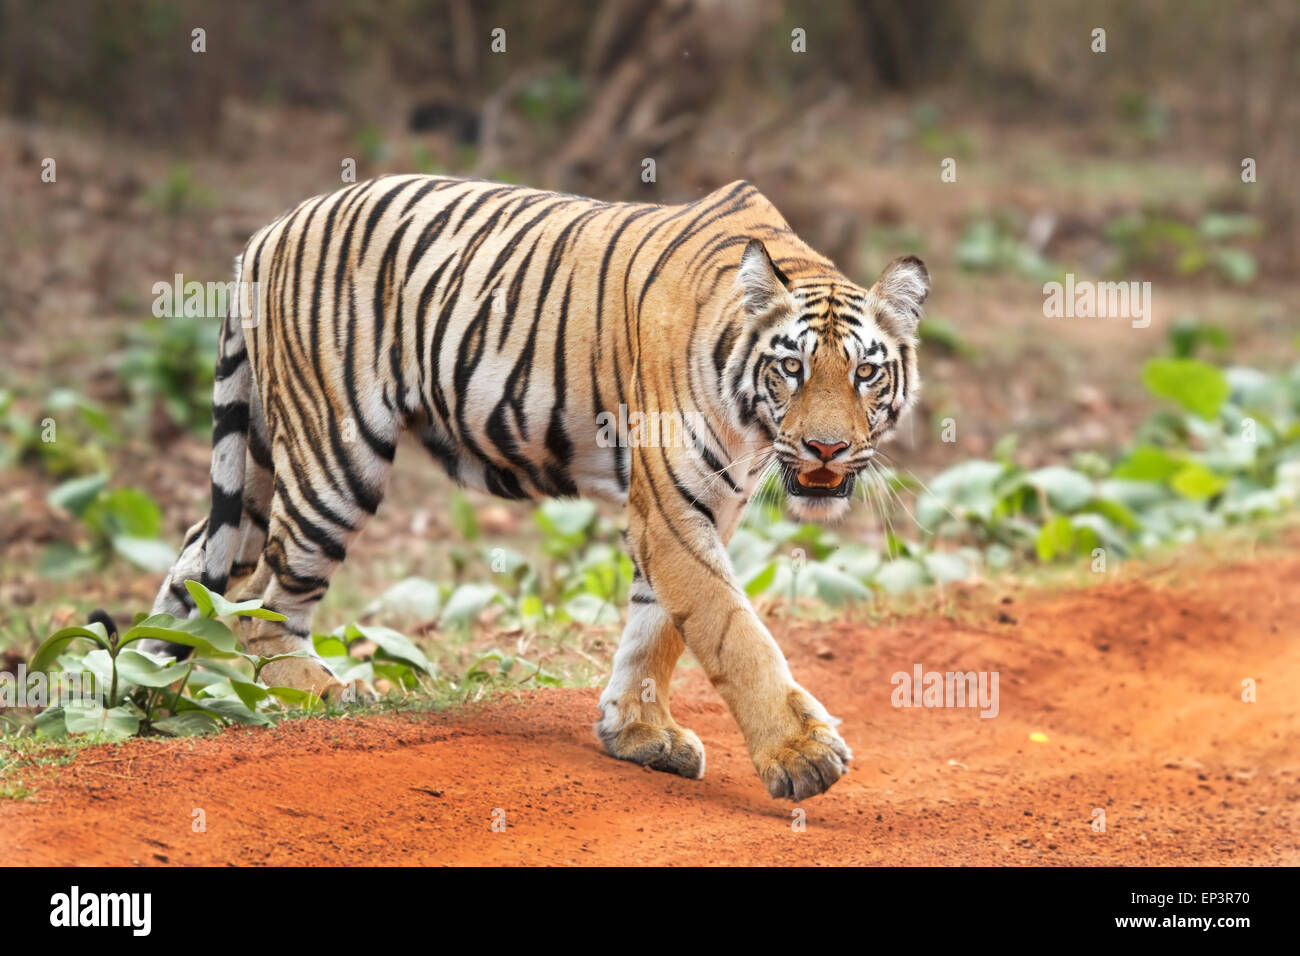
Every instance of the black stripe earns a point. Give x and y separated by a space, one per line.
314 532
231 419
227 506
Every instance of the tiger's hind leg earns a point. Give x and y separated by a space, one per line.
635 722
314 515
174 597
259 488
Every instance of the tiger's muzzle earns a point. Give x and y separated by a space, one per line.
819 483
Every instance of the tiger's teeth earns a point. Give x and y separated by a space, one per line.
833 481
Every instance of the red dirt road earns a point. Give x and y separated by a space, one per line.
1136 685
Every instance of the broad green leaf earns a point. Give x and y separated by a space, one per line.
856 561
1138 496
945 566
136 668
211 604
601 580
99 663
396 645
901 574
414 598
327 645
566 517
1254 388
1065 488
232 708
1114 511
125 512
204 680
295 697
50 722
1148 463
998 556
1055 539
965 488
591 610
395 672
1087 533
248 692
192 723
1195 385
1197 482
209 637
350 669
224 668
148 553
465 604
115 723
202 598
53 645
761 579
835 587
749 551
76 495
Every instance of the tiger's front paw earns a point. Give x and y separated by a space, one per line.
669 748
304 673
808 761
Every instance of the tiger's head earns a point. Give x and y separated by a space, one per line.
824 369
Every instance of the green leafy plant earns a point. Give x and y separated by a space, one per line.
504 670
121 521
1189 336
169 365
1228 449
1151 238
994 244
65 434
218 685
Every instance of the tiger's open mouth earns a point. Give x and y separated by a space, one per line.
818 483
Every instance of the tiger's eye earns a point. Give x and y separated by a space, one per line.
866 370
792 366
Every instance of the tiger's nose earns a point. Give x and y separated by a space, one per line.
824 450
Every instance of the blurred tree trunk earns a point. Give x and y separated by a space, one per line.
464 40
653 65
910 42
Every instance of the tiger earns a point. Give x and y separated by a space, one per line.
496 324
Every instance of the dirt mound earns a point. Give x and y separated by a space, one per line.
1132 692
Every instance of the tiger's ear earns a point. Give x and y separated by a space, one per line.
900 292
762 283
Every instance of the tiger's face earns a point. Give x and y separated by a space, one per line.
825 371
